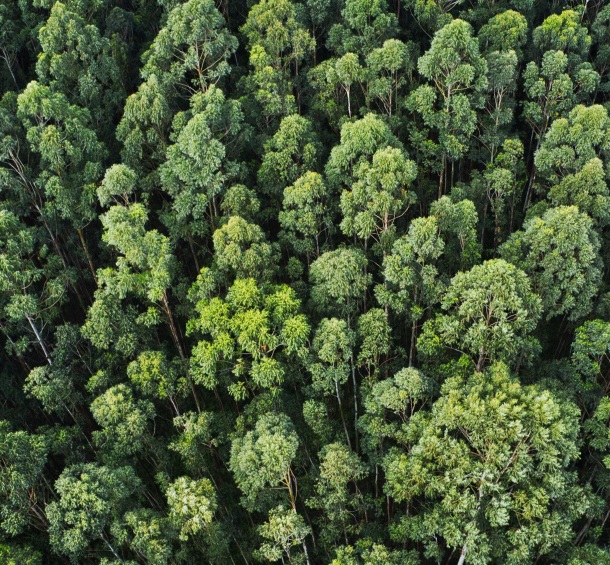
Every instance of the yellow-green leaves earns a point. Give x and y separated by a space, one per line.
253 334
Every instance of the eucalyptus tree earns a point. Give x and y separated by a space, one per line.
457 79
251 338
552 90
145 270
124 422
78 61
306 216
338 87
340 471
55 159
188 56
390 69
491 312
91 500
413 284
241 250
293 151
497 483
262 462
560 253
571 159
378 197
360 140
199 165
23 457
329 366
340 281
33 286
365 26
279 45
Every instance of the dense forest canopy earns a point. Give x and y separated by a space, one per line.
304 281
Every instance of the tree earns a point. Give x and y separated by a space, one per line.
289 154
190 52
458 71
340 469
79 62
488 472
198 166
91 498
146 263
389 406
19 555
504 32
144 126
330 365
378 197
279 45
70 160
390 68
339 280
563 32
413 284
359 142
366 551
251 338
192 504
156 377
560 253
491 311
366 25
457 224
375 336
569 161
284 530
263 460
241 251
149 535
124 421
23 457
32 286
305 217
552 91
335 84
591 357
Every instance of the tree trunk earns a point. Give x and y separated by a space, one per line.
87 255
462 559
40 341
178 344
342 415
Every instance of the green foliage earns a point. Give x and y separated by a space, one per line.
304 281
16 555
560 253
284 530
491 311
289 154
22 460
193 46
263 458
90 499
379 196
192 505
305 217
241 251
251 337
511 446
124 422
339 279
